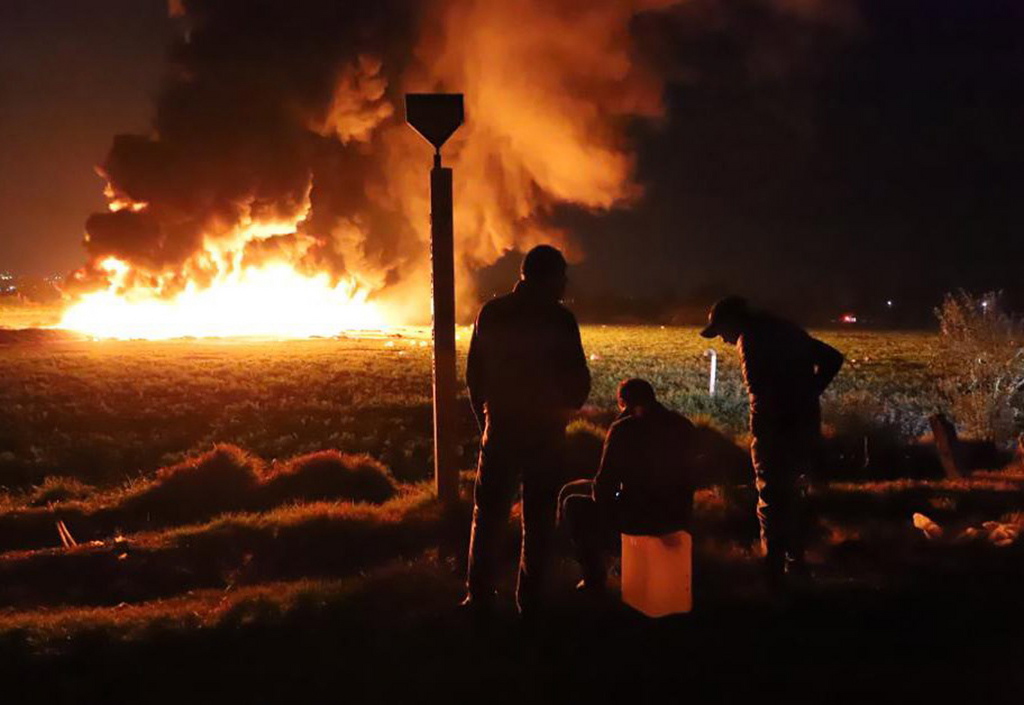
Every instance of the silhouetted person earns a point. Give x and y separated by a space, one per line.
785 371
526 375
644 485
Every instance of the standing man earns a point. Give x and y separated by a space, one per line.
785 371
526 374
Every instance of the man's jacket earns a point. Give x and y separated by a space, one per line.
526 364
646 473
785 371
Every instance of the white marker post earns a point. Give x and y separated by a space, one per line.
714 370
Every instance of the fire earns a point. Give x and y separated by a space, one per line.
272 298
266 301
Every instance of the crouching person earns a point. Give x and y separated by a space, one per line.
644 485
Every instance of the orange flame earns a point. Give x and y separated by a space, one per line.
268 299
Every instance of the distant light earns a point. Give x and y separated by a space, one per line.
848 318
888 303
984 304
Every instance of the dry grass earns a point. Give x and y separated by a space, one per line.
225 479
48 629
328 474
55 489
259 568
290 542
943 500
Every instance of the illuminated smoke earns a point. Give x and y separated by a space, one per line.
279 139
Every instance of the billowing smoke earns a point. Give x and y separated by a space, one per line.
268 116
279 133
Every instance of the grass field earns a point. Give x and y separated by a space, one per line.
108 411
225 546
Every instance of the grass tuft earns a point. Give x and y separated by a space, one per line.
224 480
58 489
329 474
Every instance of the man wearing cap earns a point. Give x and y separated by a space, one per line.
526 374
785 371
644 485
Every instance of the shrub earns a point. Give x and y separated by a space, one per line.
330 475
982 346
862 413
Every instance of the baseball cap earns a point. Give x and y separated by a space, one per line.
724 310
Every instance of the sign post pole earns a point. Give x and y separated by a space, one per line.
436 116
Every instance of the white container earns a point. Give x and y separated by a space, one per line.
657 573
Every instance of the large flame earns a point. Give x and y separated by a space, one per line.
271 298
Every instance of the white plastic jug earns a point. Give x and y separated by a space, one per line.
657 573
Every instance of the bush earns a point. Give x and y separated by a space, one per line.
863 413
982 345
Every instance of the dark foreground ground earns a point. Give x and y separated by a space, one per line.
288 572
321 578
397 640
950 630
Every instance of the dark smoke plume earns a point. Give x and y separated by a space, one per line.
279 134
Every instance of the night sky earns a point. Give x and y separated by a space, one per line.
813 169
72 74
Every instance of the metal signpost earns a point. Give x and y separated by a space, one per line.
436 116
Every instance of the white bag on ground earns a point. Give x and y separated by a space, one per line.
657 573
